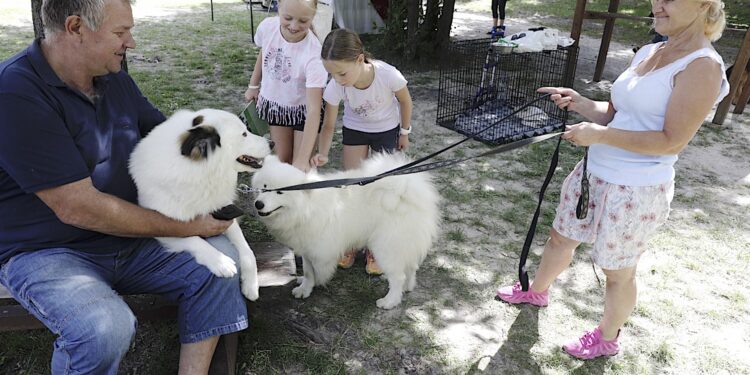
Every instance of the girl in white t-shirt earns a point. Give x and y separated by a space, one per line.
288 80
377 108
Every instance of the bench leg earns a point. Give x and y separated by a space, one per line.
224 360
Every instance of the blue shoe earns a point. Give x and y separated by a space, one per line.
492 31
498 32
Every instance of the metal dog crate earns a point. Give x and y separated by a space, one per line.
479 85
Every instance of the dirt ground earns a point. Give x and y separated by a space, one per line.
693 311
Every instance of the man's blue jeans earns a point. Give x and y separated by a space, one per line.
77 296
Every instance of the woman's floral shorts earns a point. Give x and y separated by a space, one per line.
620 218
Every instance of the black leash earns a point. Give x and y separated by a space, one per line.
410 168
582 208
523 276
413 167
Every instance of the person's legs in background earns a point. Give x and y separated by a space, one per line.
352 156
357 147
498 19
283 139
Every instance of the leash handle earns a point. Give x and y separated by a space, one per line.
582 208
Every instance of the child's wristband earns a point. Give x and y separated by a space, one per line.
253 87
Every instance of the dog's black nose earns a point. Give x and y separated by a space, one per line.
259 205
271 144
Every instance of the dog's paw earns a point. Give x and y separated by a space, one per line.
302 291
250 292
388 303
222 266
250 288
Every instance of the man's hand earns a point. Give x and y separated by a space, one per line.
207 226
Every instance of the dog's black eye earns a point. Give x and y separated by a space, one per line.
265 186
244 134
279 192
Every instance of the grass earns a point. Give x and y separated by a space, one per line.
449 324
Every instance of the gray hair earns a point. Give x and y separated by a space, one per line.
54 13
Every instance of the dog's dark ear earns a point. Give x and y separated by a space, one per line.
197 121
198 140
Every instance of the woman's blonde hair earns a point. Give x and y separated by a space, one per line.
715 20
343 45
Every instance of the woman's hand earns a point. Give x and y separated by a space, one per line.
403 142
251 94
565 98
319 160
584 134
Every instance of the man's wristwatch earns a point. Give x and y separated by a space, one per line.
404 131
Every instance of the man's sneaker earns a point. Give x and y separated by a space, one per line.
592 345
515 295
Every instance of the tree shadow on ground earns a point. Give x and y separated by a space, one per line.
514 356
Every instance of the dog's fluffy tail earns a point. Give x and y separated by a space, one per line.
405 194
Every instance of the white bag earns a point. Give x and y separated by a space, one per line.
535 41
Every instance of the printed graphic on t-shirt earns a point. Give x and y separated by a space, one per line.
278 65
367 107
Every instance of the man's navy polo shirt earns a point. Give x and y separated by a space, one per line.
52 135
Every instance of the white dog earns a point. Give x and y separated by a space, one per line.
187 167
397 218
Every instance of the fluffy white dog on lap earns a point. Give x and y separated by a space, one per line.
397 218
187 166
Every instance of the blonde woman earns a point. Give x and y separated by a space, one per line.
654 110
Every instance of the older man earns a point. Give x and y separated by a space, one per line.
71 238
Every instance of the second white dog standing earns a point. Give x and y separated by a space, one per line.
187 167
397 218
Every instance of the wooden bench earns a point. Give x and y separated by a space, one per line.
276 267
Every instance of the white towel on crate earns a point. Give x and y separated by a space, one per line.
357 15
535 41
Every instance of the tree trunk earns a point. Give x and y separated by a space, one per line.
36 15
445 24
412 24
418 29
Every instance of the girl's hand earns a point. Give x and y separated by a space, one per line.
319 160
584 134
564 97
251 94
403 142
